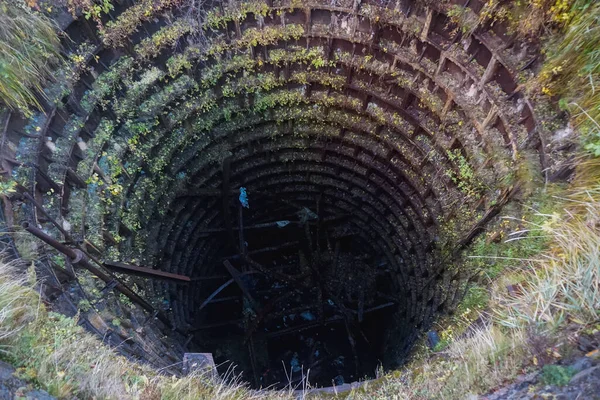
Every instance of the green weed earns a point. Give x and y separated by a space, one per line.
556 375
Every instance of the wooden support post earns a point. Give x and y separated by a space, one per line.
225 190
253 361
479 226
489 71
427 25
352 345
361 303
242 242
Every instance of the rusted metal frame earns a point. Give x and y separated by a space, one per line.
146 272
361 226
80 256
225 299
48 217
239 298
86 243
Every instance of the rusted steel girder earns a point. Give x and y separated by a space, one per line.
143 271
78 257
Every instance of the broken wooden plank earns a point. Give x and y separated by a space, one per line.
236 275
213 294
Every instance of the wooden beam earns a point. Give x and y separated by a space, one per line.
215 325
225 190
207 192
143 271
236 275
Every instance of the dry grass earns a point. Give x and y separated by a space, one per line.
565 285
29 49
16 303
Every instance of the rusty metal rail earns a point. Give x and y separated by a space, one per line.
80 258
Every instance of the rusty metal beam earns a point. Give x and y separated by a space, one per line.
78 257
144 271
